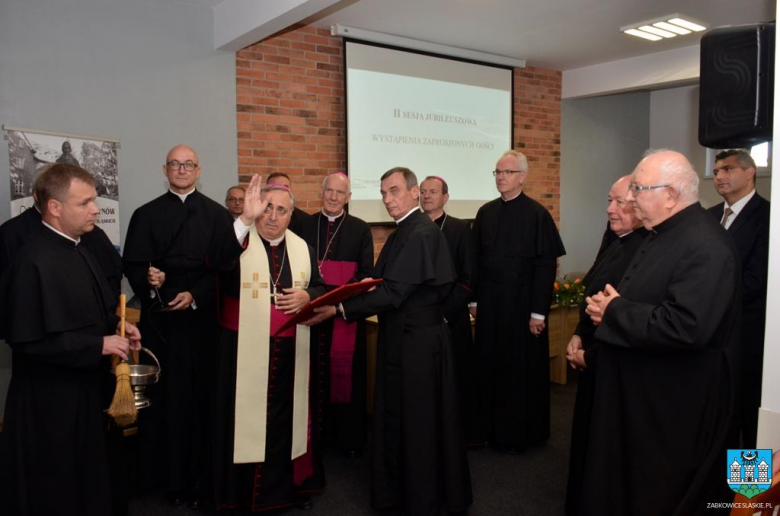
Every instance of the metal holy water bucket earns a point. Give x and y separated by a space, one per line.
142 375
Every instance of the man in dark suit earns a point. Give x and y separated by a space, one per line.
745 215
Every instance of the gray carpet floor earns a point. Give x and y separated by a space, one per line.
532 483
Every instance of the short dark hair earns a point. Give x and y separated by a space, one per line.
744 158
54 180
409 176
444 188
278 174
235 187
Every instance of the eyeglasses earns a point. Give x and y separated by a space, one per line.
280 212
235 199
506 172
189 166
635 188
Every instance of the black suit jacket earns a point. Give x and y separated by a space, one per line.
750 232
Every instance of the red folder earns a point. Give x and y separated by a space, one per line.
333 297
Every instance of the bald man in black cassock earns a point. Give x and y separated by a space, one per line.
418 450
168 241
664 400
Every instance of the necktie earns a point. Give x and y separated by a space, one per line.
726 214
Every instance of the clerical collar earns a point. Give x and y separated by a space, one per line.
61 233
625 234
183 197
513 198
676 219
441 220
737 206
274 242
331 219
416 208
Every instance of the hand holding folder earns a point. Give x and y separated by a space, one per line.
333 297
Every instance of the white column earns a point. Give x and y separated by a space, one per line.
769 413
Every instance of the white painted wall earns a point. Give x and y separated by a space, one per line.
674 124
650 71
769 413
141 71
602 139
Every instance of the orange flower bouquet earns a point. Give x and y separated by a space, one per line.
568 291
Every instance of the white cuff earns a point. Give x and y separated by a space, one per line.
534 315
241 230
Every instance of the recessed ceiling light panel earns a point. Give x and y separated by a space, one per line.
695 27
640 34
657 31
672 28
664 27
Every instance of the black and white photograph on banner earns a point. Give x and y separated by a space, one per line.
29 151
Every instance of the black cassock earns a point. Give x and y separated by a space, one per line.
460 241
663 405
176 237
418 450
55 312
608 268
16 232
517 245
297 220
267 485
346 240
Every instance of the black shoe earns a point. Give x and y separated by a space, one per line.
353 453
303 503
175 498
195 504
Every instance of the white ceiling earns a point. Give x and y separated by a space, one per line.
558 34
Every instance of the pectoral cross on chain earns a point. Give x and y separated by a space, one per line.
255 285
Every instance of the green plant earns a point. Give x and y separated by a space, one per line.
568 291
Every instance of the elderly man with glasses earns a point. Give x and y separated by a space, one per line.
165 262
517 245
234 200
668 335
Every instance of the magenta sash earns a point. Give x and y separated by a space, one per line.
228 317
342 349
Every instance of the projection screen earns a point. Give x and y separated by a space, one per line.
437 116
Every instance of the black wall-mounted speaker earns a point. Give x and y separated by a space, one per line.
736 86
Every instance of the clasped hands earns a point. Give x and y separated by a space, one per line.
575 354
597 303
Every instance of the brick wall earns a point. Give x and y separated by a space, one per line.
291 117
